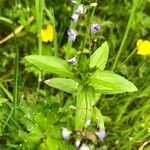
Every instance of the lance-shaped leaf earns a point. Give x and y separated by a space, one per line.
107 82
85 100
99 57
67 85
98 117
50 64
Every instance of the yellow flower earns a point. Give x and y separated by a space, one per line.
143 47
47 34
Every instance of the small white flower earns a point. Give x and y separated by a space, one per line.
72 60
93 4
88 122
65 133
77 143
84 147
80 10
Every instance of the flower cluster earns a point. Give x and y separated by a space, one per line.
80 11
66 134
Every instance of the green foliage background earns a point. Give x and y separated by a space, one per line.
43 111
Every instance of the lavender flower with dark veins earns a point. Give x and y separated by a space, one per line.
95 27
75 17
101 134
71 34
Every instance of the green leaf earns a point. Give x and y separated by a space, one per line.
50 144
99 57
2 100
107 82
85 101
67 85
50 64
98 117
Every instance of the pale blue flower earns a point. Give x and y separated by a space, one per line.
71 34
95 27
75 17
101 134
66 133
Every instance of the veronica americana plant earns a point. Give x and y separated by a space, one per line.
89 80
85 77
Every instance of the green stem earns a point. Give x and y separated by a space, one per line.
16 73
131 54
15 94
129 25
39 6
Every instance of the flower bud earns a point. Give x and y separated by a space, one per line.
72 60
81 10
93 4
88 122
74 1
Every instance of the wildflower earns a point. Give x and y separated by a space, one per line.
65 133
72 60
95 27
143 47
93 4
47 34
72 34
77 143
88 122
84 147
81 10
101 134
75 17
